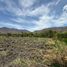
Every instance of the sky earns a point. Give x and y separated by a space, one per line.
33 14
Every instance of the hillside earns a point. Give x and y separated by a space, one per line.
58 29
11 30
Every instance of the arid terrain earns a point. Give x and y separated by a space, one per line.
32 52
33 33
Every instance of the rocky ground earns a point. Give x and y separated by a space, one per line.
32 52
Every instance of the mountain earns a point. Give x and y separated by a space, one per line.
11 30
58 29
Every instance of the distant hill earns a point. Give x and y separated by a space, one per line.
11 30
58 29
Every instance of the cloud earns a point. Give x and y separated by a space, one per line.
18 20
40 10
11 6
10 25
44 21
57 2
26 3
15 9
65 8
25 10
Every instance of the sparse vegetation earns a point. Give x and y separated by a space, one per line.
19 51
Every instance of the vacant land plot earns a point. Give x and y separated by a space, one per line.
32 52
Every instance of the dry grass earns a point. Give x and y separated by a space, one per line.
32 52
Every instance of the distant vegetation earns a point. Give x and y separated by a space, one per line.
62 36
48 34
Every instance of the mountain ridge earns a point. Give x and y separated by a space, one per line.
58 29
13 30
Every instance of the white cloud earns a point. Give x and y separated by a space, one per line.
63 19
26 9
10 25
11 6
40 10
43 22
26 3
54 3
57 2
18 20
65 8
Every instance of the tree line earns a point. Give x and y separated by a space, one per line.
47 34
